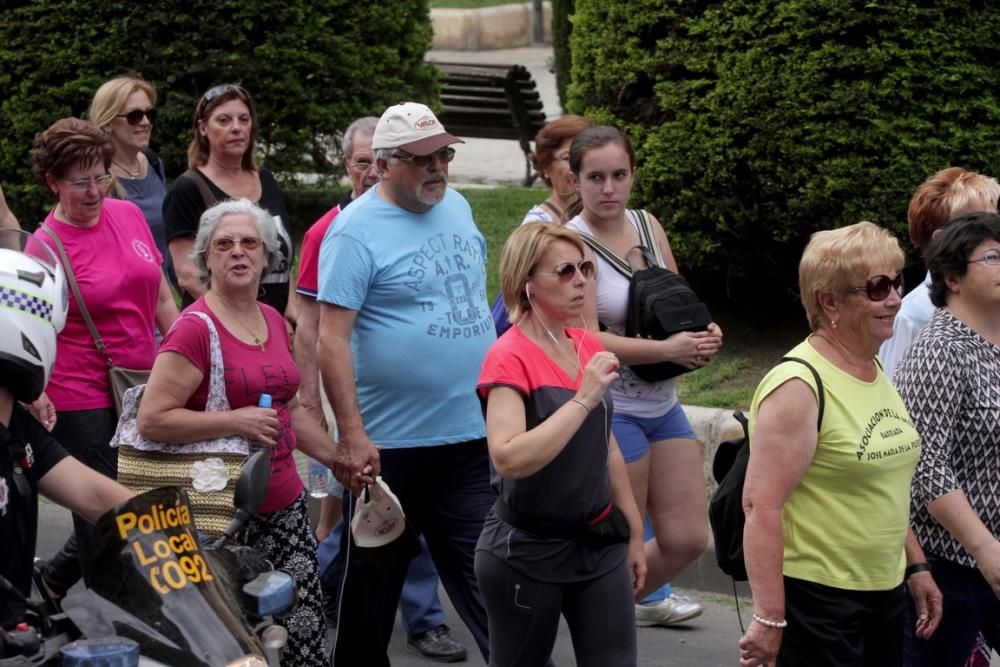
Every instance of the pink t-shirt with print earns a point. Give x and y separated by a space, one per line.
249 372
117 267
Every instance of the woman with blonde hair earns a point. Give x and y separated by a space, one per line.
125 108
565 536
827 493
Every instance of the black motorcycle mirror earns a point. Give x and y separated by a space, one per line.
251 487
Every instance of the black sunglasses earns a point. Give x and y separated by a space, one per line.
567 270
134 117
444 155
216 91
877 288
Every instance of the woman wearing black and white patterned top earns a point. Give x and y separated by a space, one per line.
950 381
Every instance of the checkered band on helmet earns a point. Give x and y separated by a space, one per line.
33 305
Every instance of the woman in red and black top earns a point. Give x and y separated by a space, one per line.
565 536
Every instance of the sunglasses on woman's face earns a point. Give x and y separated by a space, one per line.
567 270
877 288
134 117
247 243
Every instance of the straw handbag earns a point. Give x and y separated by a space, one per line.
207 469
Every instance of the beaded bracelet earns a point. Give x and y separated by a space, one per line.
580 403
769 623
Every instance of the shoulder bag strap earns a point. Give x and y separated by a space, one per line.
617 263
155 163
201 181
217 398
552 207
71 279
820 394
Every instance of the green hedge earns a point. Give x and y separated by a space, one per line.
562 28
758 122
312 66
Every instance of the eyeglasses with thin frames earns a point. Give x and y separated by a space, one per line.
444 155
992 257
227 244
134 116
877 288
83 184
361 166
567 270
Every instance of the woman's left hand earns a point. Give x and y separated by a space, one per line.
637 563
929 602
759 646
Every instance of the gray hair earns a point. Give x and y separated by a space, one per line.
211 218
365 125
382 154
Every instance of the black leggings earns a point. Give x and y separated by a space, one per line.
524 615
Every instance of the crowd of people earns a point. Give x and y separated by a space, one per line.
544 477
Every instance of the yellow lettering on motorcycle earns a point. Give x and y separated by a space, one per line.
165 546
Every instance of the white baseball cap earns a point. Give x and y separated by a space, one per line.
414 128
381 532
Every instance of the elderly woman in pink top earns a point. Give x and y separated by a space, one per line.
117 267
236 245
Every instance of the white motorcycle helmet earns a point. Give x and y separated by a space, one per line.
33 304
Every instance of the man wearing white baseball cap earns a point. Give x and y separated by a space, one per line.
404 327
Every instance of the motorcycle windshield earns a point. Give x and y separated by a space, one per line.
155 584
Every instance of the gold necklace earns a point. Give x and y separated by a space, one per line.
256 339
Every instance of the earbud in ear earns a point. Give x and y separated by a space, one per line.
528 289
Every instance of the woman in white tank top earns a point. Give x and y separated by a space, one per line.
664 461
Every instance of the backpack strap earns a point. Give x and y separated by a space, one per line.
610 256
155 162
201 181
820 394
646 236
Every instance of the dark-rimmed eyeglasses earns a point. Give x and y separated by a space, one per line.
567 270
247 243
877 288
83 184
992 257
443 155
215 91
134 116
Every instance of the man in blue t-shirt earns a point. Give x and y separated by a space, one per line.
404 327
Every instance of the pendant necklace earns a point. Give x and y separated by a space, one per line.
131 174
256 339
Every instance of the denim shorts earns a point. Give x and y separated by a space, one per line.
635 434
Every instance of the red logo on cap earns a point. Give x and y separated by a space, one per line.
425 123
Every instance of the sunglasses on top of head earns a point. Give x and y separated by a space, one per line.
877 288
134 116
567 270
215 91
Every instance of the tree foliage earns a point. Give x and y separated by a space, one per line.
311 66
758 122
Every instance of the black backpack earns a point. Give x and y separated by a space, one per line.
660 302
729 467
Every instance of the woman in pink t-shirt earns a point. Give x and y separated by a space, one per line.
236 244
117 268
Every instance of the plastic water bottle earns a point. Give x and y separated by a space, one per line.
263 402
317 480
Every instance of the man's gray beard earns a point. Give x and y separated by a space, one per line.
431 200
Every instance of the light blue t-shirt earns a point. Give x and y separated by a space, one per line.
418 284
913 315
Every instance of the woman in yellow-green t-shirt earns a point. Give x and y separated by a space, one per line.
827 511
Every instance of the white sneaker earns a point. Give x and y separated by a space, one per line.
672 610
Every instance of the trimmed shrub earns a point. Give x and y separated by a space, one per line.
562 28
311 66
759 122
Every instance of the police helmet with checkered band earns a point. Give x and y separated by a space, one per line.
33 304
